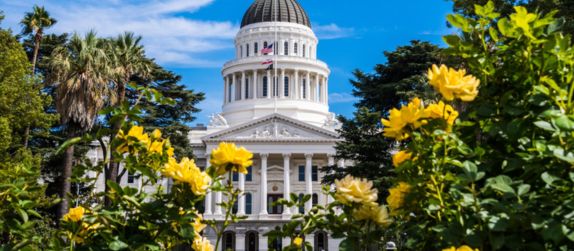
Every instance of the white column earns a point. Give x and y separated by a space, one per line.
308 86
269 85
232 87
218 199
308 181
326 90
242 94
255 88
225 95
281 84
263 188
209 195
331 162
263 242
297 85
241 202
239 241
286 183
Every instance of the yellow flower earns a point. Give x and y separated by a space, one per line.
352 190
75 214
410 114
197 225
441 111
156 134
396 199
138 133
453 84
298 241
156 147
202 244
187 172
401 157
170 151
377 214
228 157
461 248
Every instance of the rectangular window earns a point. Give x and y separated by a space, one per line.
265 87
304 88
131 177
249 175
272 208
246 88
296 49
241 51
301 173
235 176
248 203
286 48
304 51
286 87
314 173
255 48
247 49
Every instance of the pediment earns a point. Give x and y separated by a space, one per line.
274 128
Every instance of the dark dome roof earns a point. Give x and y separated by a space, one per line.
264 11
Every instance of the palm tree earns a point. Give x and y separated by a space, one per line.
80 71
128 60
35 23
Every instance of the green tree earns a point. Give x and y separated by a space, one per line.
1 16
392 83
80 70
20 98
34 24
173 120
127 60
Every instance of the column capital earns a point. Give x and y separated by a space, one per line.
286 155
308 155
264 155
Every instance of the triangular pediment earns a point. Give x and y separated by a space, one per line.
274 127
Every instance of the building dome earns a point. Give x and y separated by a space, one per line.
265 10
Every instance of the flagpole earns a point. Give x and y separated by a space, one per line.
277 81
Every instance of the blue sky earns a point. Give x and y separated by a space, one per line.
195 37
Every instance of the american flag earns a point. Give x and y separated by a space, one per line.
268 49
268 61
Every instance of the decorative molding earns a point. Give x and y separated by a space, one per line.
218 121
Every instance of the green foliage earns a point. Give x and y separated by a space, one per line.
22 226
503 178
21 103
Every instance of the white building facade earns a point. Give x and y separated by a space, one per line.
279 114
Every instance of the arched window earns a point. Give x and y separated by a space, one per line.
246 88
255 48
286 48
247 49
265 86
302 207
296 49
251 241
315 199
228 240
304 51
286 86
248 203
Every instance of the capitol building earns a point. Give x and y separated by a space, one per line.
275 104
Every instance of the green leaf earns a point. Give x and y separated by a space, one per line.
502 183
549 178
505 27
348 245
523 189
68 144
458 21
117 245
544 125
115 186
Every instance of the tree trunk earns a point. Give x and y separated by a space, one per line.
114 168
65 189
38 39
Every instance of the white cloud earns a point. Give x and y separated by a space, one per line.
342 97
171 39
332 31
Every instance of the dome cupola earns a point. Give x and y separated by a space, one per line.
266 10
